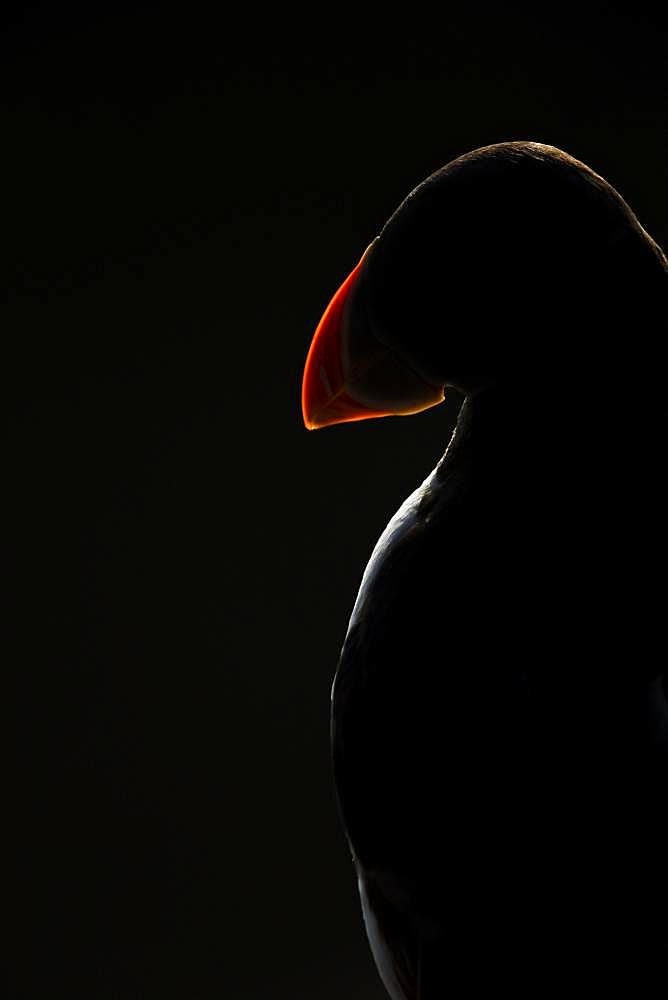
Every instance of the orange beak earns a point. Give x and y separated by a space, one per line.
348 379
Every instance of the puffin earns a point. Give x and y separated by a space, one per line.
499 713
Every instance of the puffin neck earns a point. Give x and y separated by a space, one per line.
586 430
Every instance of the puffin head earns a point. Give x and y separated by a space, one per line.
514 262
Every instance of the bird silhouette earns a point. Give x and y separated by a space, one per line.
500 708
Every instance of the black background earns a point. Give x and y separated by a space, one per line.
184 188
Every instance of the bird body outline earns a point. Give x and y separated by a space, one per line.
494 754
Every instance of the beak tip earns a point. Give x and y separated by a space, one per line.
309 423
312 425
307 418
